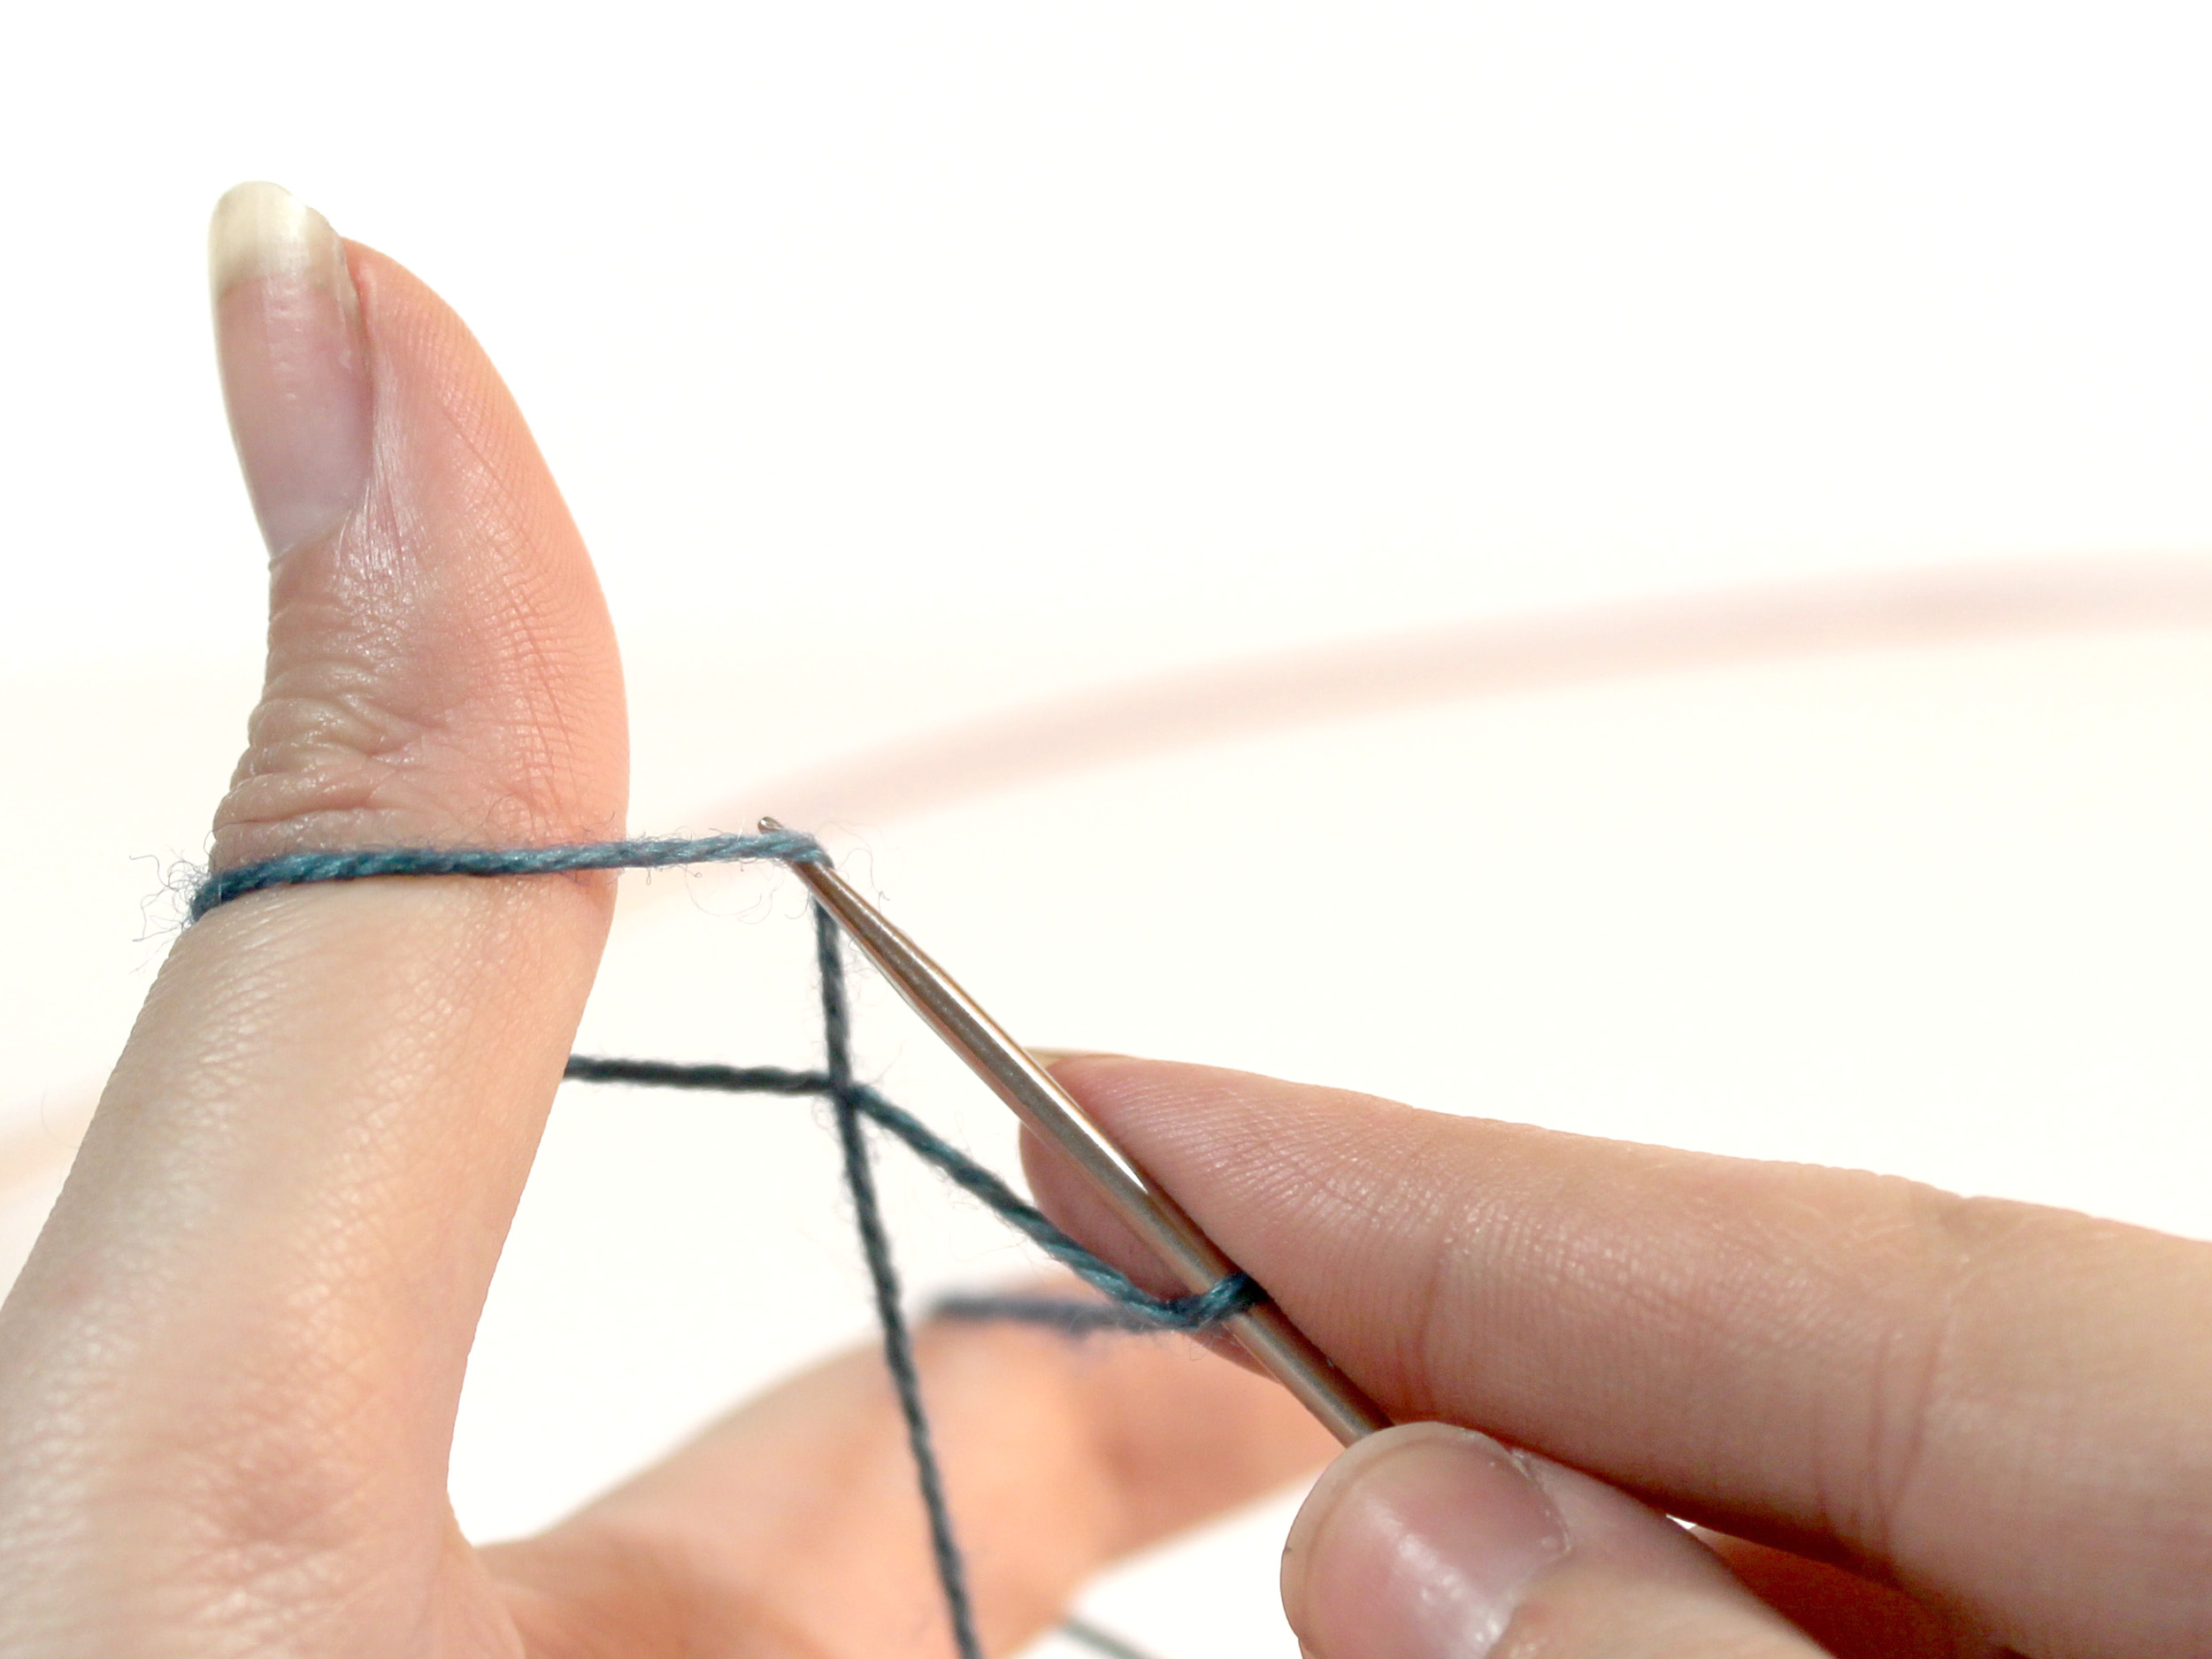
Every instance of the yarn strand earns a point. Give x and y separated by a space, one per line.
898 1341
646 853
856 1108
1131 1307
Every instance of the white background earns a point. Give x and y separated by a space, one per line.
905 364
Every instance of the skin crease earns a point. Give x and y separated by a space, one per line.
1996 1408
229 1371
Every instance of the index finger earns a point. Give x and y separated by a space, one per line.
2000 1408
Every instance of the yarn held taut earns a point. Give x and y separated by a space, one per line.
855 1105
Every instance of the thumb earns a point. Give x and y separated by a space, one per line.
1428 1541
238 1346
440 663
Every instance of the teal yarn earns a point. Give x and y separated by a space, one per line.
855 1107
1131 1308
647 853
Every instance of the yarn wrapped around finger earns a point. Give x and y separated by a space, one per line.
855 1107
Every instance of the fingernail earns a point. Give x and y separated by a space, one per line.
1418 1543
294 360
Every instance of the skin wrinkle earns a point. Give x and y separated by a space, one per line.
268 1476
321 723
1746 1284
242 1583
1853 1482
321 715
1625 1285
1897 1456
325 703
1451 1243
274 1571
1768 1282
1972 1406
293 723
1727 1283
376 573
372 577
321 751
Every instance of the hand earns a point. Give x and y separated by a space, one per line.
1920 1424
229 1373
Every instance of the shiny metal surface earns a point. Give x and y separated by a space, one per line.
1265 1331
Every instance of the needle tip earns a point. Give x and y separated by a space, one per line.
772 826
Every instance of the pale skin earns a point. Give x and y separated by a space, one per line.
228 1374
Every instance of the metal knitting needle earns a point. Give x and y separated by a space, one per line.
1265 1333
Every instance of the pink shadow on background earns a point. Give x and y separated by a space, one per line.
1347 680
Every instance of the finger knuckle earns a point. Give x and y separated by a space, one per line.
332 759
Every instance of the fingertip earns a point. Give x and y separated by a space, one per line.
441 665
1417 1543
1432 1541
